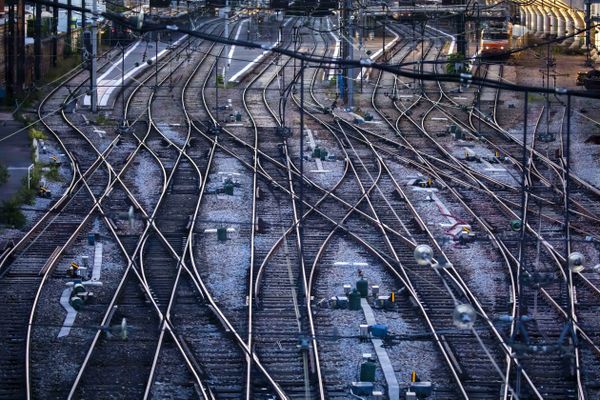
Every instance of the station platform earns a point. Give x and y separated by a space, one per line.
241 60
139 56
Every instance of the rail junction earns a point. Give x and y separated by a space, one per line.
242 222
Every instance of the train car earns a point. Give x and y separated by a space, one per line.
118 33
495 40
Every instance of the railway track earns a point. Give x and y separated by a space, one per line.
242 233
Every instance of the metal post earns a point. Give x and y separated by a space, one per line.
414 50
522 259
10 51
383 5
37 43
422 83
588 17
301 192
217 89
547 87
361 34
461 39
477 39
295 49
83 24
124 119
29 176
20 44
226 66
93 82
567 157
55 33
69 43
350 56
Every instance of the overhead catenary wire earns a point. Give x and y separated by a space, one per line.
171 24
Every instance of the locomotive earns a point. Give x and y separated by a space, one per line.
495 39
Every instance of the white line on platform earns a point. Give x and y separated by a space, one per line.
336 51
237 35
109 86
452 44
118 61
374 56
241 72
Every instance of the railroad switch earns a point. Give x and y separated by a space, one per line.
281 148
284 131
44 192
421 183
222 234
363 331
465 236
74 270
421 390
214 130
384 302
546 137
516 225
228 186
80 296
303 343
491 160
124 128
362 388
55 160
340 302
320 153
471 156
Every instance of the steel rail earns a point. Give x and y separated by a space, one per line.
545 243
247 345
503 253
132 263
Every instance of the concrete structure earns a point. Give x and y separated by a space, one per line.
555 19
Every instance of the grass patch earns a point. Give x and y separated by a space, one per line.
53 174
456 64
62 67
101 119
10 210
35 133
535 97
26 194
568 51
11 214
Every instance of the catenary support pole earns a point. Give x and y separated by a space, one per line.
93 77
37 43
301 191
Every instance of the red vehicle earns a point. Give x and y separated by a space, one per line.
495 40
